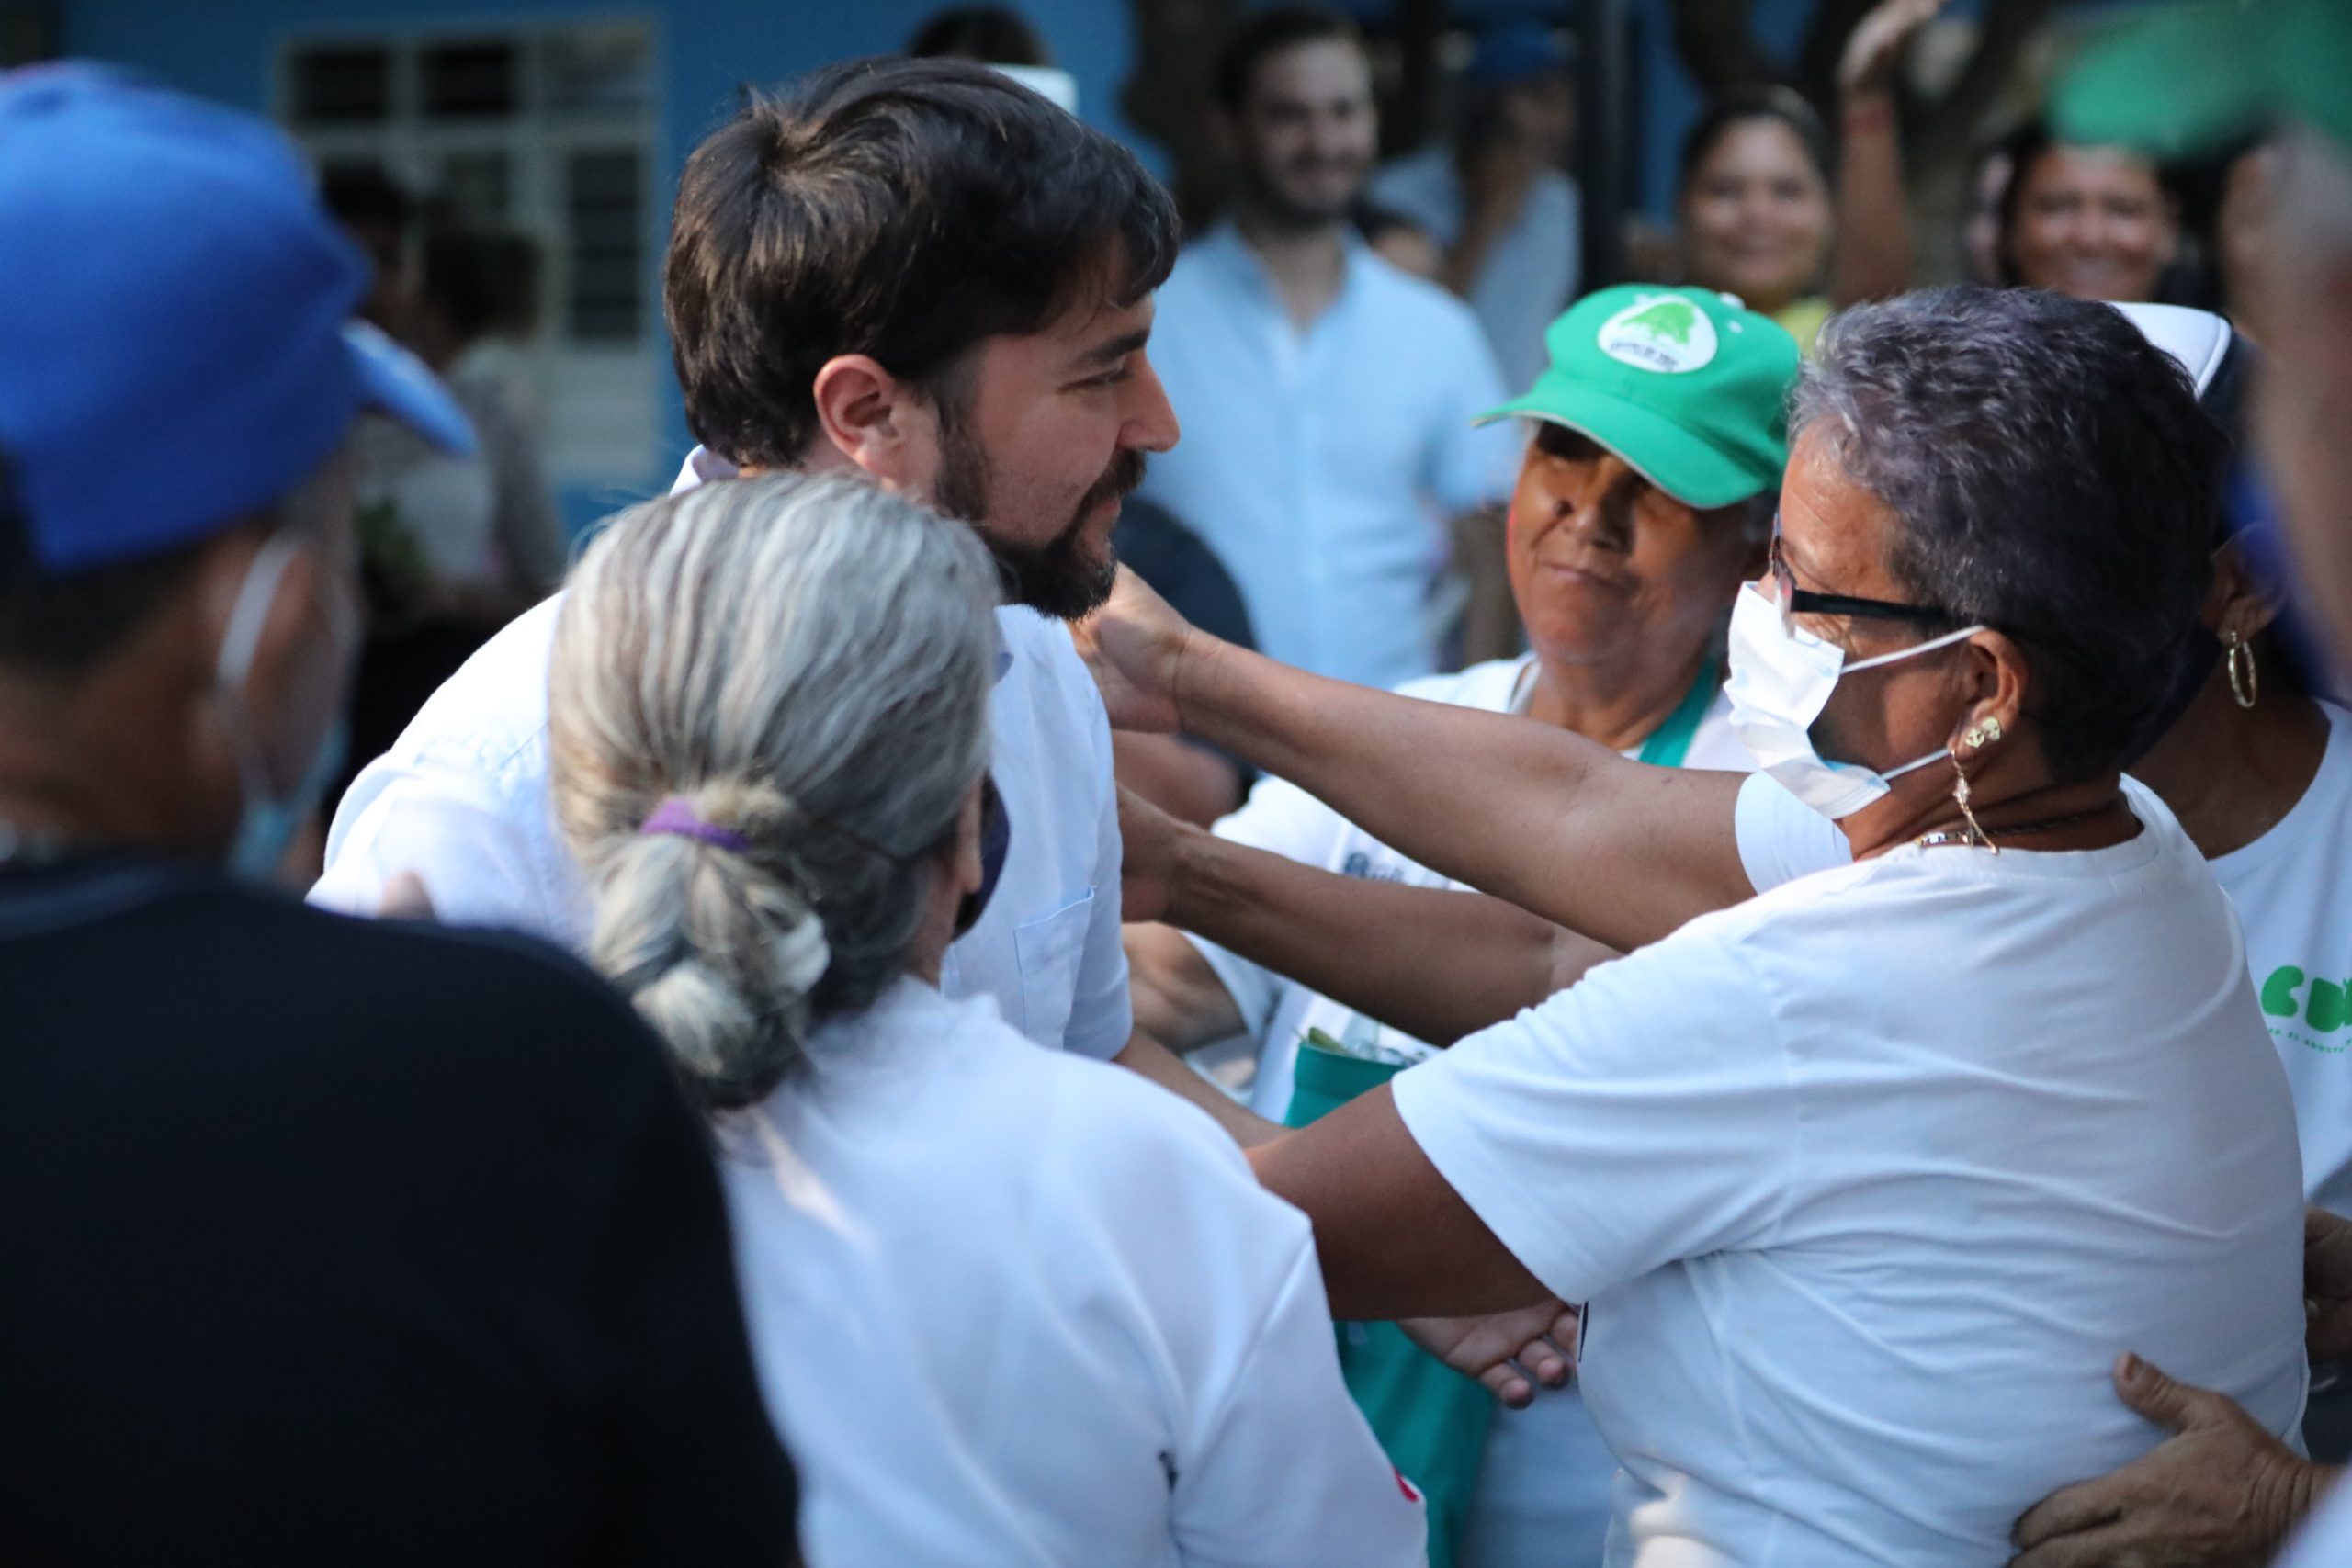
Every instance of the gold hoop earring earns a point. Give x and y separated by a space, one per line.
2244 684
1960 798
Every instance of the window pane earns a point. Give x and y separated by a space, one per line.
596 69
342 85
605 231
476 186
469 79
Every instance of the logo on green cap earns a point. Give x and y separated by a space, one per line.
1665 332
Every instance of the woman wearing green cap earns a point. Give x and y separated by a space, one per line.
1655 430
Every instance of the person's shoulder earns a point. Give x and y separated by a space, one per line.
1488 686
495 707
469 995
1414 301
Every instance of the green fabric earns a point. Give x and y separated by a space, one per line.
1431 1420
1670 742
1688 386
2192 77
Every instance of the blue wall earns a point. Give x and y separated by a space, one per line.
704 49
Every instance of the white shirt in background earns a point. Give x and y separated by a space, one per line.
1530 274
462 800
2288 889
1868 1180
1322 466
1015 1309
1543 1493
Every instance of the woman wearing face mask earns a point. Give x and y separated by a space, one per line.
1866 1179
1018 1306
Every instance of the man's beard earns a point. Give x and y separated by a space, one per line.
1054 578
1266 194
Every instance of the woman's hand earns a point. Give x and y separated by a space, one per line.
1867 70
1135 646
1511 1352
2220 1492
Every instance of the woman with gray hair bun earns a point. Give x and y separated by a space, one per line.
1013 1306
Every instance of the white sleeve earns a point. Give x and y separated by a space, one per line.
449 829
1472 465
1782 838
1281 817
1102 1009
1642 1116
1284 1471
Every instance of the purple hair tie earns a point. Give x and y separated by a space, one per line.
676 815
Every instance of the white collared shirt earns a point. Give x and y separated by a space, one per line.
462 800
1321 466
1017 1309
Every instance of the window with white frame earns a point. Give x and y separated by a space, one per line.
547 132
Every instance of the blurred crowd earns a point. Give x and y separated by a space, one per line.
1294 890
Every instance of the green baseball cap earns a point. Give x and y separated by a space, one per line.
2189 77
1690 387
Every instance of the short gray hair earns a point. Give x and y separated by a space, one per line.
806 663
2051 476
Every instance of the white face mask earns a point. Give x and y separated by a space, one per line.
267 823
1781 677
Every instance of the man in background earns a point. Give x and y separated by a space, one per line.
1327 397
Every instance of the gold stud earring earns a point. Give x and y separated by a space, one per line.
1960 798
2244 684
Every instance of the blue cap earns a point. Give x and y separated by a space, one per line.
176 343
1515 49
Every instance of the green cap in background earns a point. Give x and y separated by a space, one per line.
2187 78
1688 386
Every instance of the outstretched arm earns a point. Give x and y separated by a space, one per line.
1434 962
1552 822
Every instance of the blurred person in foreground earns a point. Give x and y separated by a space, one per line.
331 1242
1874 1113
1498 202
1013 1306
1328 399
1643 501
1004 378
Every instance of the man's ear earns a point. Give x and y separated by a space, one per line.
877 422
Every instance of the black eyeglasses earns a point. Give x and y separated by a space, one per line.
1795 600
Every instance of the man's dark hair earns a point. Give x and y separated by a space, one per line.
58 626
1267 33
1739 106
2051 476
901 209
997 34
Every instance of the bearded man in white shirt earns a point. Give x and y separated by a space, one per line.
867 272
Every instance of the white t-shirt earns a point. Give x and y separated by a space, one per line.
2288 887
1542 1495
1014 1308
462 800
1869 1180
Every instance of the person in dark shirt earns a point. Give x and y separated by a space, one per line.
1189 779
326 1241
